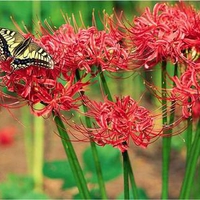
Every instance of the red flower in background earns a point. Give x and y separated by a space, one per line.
165 33
7 136
119 122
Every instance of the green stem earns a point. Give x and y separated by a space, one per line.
188 138
132 180
191 165
105 86
38 152
166 140
96 161
126 171
98 170
73 160
102 187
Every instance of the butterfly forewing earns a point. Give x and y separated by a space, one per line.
23 51
9 41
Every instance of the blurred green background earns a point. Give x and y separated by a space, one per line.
27 11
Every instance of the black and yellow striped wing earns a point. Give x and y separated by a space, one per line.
24 52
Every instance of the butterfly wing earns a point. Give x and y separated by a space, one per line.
9 40
33 55
24 52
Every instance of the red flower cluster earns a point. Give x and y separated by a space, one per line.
117 122
84 49
71 51
40 85
166 33
186 91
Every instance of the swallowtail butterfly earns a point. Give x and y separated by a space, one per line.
24 52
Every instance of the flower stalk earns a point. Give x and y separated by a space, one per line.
189 136
166 140
191 165
126 174
73 160
97 164
105 86
132 181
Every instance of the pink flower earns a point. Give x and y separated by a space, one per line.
119 122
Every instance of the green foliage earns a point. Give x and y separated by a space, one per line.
19 187
60 169
20 11
110 163
141 193
177 143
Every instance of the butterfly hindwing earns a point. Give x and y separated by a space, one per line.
23 51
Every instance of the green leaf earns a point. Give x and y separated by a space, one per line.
110 163
19 187
60 169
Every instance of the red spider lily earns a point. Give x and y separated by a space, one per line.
165 33
39 85
84 49
39 88
186 91
118 122
60 98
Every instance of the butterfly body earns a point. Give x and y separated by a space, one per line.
23 51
